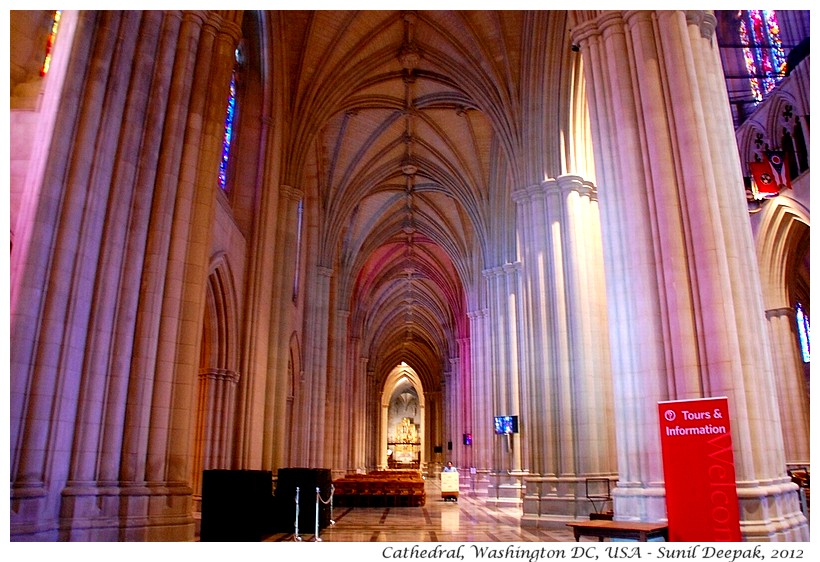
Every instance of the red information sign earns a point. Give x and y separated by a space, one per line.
699 470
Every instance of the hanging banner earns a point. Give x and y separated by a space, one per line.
780 168
699 470
763 180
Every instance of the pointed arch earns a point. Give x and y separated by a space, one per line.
218 376
783 231
293 389
401 376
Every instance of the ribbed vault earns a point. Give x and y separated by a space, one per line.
409 131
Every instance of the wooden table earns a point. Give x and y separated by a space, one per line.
619 530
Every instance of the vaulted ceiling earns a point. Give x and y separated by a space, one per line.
409 130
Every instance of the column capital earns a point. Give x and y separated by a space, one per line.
521 195
196 16
611 23
704 20
781 311
230 27
292 193
636 16
513 267
214 373
492 272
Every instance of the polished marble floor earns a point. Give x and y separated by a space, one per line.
471 519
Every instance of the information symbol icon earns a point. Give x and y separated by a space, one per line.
669 415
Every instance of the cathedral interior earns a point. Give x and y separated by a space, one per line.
384 240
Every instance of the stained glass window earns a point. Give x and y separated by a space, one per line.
762 50
52 36
804 332
228 135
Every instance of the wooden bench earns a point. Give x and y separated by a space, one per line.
619 530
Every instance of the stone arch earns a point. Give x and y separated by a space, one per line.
294 379
752 142
218 376
783 253
782 232
400 376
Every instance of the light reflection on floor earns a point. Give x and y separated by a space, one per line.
471 519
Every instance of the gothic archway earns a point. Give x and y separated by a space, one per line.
402 427
218 378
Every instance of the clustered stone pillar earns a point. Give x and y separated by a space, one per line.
454 399
503 372
358 405
216 399
566 363
792 396
464 389
685 310
482 399
338 401
316 361
123 226
275 384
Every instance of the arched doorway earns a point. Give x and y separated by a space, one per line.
218 379
783 241
402 428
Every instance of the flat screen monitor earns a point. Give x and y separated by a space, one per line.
506 425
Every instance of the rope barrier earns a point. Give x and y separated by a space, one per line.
329 500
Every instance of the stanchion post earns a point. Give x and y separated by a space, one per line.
316 518
296 536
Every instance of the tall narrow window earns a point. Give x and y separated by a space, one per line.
230 114
804 332
52 36
762 50
228 135
299 213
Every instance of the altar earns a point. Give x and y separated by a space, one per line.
404 447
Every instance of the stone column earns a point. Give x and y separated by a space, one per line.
685 311
275 433
120 254
372 417
57 265
464 389
567 368
356 456
215 409
316 356
338 395
482 399
504 330
792 393
454 401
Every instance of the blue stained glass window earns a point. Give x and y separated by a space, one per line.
228 135
804 332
